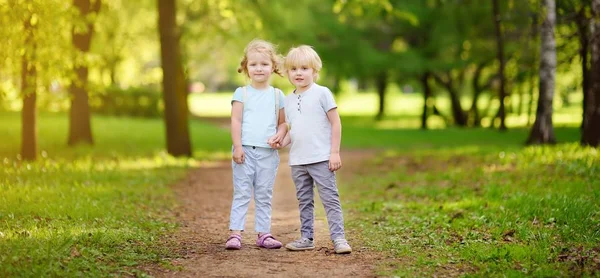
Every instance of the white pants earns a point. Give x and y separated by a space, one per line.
256 174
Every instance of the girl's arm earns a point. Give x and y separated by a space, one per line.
237 109
335 162
276 140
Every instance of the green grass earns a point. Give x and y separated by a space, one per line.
361 132
91 211
113 136
438 200
402 110
477 202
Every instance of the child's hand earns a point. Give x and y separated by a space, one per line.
275 141
238 155
275 145
335 162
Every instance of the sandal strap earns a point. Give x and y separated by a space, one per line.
238 237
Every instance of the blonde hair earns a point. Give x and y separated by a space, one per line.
303 55
263 47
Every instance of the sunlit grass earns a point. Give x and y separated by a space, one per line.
70 217
402 110
113 136
92 210
99 210
494 210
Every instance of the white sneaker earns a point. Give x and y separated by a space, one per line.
300 244
341 246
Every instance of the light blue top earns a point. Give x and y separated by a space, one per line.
306 113
258 119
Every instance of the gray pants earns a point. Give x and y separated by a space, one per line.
305 177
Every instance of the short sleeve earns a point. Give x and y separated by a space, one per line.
327 100
287 118
281 99
238 95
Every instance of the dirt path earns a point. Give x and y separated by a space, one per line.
205 198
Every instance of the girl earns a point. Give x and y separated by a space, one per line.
257 121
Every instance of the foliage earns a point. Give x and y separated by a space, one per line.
50 22
137 102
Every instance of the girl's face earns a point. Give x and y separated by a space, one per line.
259 67
301 76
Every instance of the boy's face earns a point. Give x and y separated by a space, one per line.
301 76
259 67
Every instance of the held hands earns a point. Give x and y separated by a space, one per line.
335 162
275 142
238 155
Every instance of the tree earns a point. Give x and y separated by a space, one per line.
33 57
28 90
500 51
542 131
591 132
80 130
582 22
574 21
174 84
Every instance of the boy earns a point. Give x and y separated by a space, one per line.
315 135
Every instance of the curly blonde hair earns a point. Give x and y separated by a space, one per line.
264 47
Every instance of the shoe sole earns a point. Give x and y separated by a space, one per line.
344 251
299 249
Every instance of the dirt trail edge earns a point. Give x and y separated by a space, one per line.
205 199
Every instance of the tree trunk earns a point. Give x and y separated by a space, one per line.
500 51
381 84
174 85
531 95
521 94
591 132
28 90
473 113
542 131
426 98
531 82
584 45
80 130
458 113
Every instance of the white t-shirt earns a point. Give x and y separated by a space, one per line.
306 113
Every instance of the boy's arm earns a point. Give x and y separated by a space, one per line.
335 162
286 140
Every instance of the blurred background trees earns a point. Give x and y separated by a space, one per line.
496 63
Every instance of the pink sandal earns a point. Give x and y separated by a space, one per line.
268 241
234 242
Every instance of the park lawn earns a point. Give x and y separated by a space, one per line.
476 202
100 210
91 211
404 110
